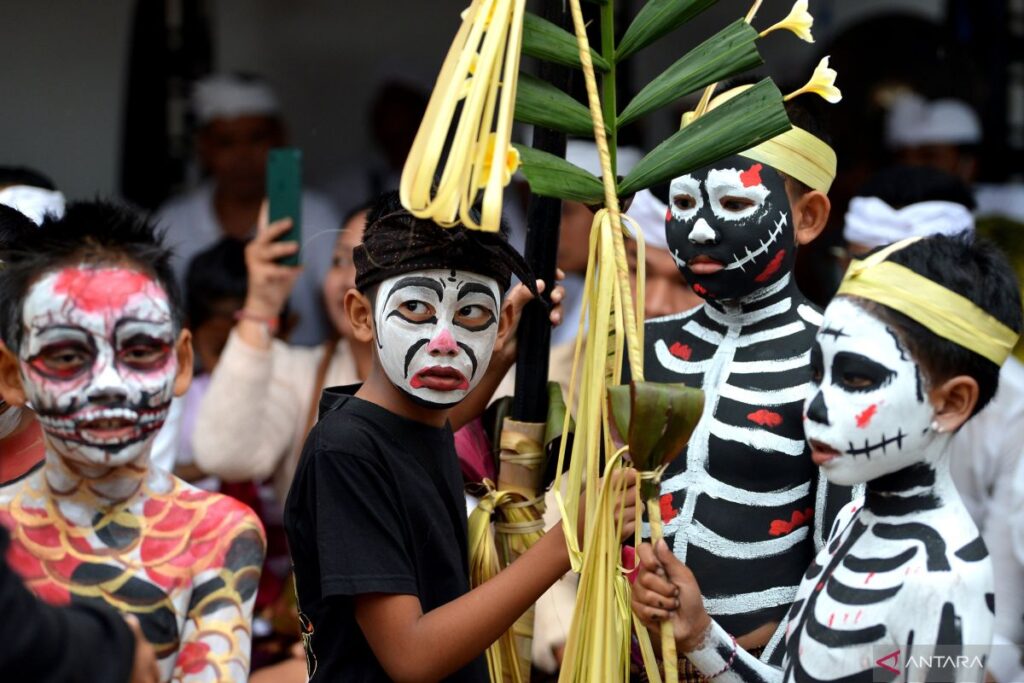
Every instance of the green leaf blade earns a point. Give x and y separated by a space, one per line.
544 40
541 104
745 121
731 51
657 18
551 176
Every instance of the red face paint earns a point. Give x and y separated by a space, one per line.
100 289
700 290
772 267
680 350
864 419
752 176
668 215
765 418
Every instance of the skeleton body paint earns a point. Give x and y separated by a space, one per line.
436 331
746 508
906 569
96 523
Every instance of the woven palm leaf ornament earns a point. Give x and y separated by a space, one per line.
459 164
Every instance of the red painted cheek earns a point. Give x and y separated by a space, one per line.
668 215
752 176
680 350
864 419
772 267
101 290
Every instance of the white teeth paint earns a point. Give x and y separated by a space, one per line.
436 331
98 361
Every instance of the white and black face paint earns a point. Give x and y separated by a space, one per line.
436 331
870 415
728 228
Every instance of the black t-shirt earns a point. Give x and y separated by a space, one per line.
376 507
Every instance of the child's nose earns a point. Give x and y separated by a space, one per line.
443 343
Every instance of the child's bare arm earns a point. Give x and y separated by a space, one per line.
413 646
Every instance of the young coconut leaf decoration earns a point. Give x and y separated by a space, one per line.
655 421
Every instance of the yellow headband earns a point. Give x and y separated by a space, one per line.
796 152
944 312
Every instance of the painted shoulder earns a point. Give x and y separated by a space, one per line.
215 513
682 315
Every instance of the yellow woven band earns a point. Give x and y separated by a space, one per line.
946 313
796 152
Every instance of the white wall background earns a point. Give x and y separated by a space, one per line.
64 69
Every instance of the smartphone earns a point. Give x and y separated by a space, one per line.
284 190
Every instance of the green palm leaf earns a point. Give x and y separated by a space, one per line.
729 52
541 104
746 120
657 18
544 40
551 176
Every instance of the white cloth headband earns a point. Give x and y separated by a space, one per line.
34 202
649 213
226 97
872 222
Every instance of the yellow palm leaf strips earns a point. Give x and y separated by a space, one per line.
462 157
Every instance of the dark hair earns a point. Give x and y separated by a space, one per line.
975 269
95 232
21 175
397 242
900 186
213 275
14 226
809 116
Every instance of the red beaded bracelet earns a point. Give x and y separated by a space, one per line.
270 323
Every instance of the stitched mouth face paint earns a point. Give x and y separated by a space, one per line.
869 415
98 362
729 228
436 331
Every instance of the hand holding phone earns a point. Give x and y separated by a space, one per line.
284 191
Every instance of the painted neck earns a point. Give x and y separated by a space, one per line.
925 485
94 486
766 296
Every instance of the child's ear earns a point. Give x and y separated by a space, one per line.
810 214
506 322
359 310
11 388
954 401
183 349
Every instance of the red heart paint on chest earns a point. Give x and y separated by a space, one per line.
765 418
681 350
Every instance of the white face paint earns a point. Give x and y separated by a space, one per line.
870 415
735 196
687 199
10 416
436 331
97 361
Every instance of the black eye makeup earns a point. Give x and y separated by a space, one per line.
817 365
854 372
415 311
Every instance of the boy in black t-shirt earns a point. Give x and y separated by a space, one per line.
375 517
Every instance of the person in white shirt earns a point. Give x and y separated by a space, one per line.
239 123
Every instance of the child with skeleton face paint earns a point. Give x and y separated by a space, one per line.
744 506
376 516
908 352
94 347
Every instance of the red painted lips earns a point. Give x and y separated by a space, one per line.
439 378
